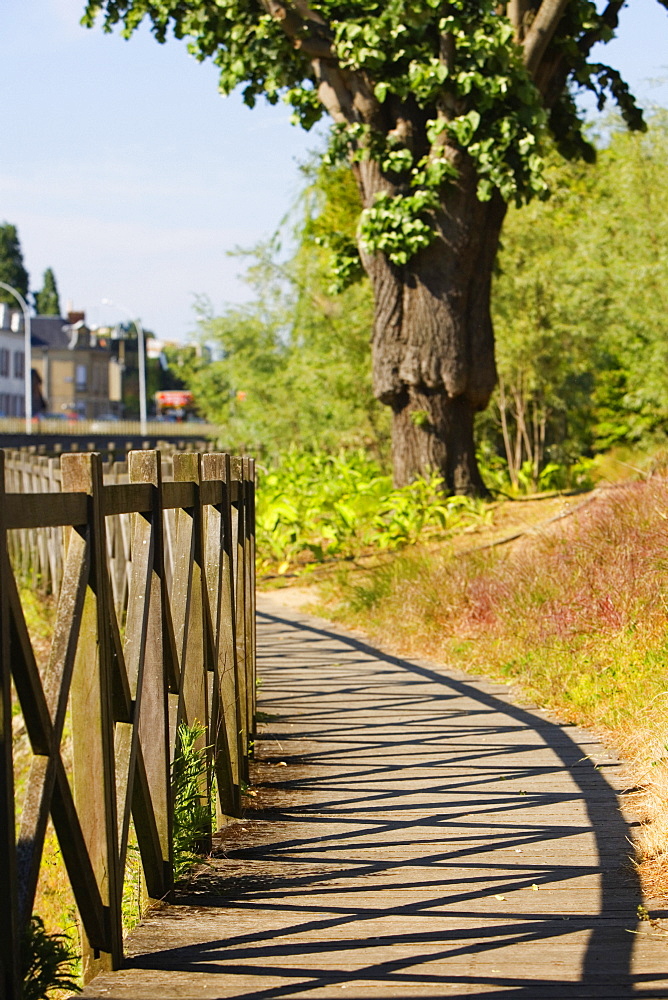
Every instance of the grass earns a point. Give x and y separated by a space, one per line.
576 617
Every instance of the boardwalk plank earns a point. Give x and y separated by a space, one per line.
395 853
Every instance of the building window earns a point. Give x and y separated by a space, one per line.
19 367
81 377
4 361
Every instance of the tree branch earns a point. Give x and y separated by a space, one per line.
516 12
343 93
541 32
332 92
610 18
307 30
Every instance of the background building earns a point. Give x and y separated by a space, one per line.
12 362
79 376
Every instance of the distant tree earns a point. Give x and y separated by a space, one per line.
47 302
12 270
580 307
292 367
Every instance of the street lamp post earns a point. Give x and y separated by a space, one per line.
27 350
141 352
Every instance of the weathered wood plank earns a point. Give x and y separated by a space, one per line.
132 665
238 518
9 917
224 726
248 471
92 717
189 596
151 798
179 494
211 493
128 498
45 510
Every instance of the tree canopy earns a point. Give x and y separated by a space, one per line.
12 270
444 109
402 80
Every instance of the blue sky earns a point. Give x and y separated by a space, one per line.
127 173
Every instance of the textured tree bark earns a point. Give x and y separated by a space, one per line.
434 431
433 342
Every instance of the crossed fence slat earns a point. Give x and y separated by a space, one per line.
168 637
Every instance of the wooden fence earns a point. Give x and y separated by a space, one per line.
154 627
37 553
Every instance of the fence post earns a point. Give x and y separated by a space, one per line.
252 587
192 628
10 987
239 538
249 589
92 720
151 794
225 710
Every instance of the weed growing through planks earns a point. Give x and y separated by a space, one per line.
193 797
576 618
48 962
134 899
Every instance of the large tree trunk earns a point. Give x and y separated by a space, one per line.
431 430
433 343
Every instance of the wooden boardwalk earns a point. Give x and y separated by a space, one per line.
426 838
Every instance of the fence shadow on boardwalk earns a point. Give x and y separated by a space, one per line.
333 794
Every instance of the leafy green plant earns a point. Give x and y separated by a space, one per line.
47 962
581 355
192 796
579 475
315 506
